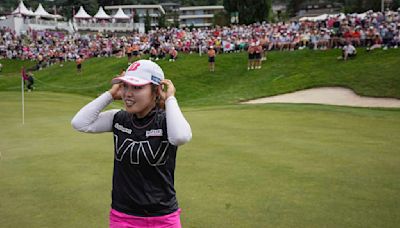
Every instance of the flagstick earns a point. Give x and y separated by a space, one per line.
200 50
23 102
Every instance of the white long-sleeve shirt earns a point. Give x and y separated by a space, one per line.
91 119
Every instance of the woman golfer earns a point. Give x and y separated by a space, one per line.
146 137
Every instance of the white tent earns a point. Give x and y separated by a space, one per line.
41 12
82 14
361 15
322 17
101 14
31 12
121 15
21 9
303 19
57 16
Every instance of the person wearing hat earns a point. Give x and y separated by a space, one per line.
146 134
211 59
370 37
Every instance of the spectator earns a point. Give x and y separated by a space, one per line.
30 81
251 56
79 62
349 51
211 59
129 50
377 42
153 54
45 47
257 55
135 50
173 54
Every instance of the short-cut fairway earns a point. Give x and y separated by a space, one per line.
247 166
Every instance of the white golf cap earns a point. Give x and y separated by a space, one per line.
141 72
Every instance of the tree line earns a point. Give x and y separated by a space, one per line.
248 11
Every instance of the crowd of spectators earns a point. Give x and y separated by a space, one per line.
372 30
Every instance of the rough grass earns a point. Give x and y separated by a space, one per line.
370 74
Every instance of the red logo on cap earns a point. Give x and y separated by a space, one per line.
134 67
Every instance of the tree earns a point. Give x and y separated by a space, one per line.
359 6
147 22
212 2
162 21
175 17
261 10
114 2
293 6
250 11
221 19
395 4
136 18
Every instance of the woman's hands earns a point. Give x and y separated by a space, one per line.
167 92
116 91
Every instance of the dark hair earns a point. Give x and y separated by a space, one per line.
160 103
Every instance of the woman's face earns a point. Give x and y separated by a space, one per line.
138 99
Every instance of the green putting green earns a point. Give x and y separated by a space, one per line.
246 166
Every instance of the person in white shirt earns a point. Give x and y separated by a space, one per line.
348 51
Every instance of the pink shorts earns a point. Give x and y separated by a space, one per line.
122 220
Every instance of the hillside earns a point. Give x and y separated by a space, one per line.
370 74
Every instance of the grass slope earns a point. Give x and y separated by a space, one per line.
12 67
370 74
247 166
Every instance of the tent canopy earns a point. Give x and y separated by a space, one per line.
101 14
120 14
323 17
40 11
81 14
21 9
